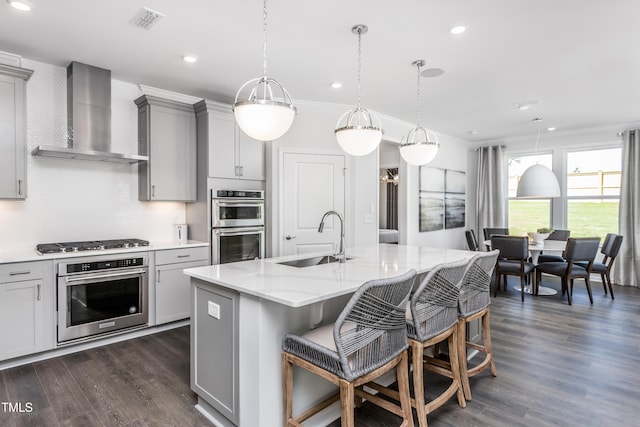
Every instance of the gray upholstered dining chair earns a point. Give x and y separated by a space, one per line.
433 319
560 235
578 250
512 261
491 231
610 248
472 241
368 339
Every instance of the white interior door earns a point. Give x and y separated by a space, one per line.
312 184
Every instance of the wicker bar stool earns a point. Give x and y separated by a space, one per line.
367 340
474 302
475 297
433 319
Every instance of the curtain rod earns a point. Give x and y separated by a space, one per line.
486 146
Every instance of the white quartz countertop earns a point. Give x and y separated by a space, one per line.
297 287
31 254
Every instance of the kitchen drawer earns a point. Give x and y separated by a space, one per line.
172 256
20 271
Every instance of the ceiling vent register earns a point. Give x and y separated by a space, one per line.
146 18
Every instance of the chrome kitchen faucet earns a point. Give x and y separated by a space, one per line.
340 254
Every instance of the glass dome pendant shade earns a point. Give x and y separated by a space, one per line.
358 131
419 146
265 111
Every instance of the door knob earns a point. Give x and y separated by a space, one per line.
289 237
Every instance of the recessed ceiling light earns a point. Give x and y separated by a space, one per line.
551 129
189 58
23 5
473 132
336 85
458 29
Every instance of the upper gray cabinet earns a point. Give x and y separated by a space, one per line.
231 153
167 134
13 144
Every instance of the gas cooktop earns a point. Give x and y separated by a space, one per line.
97 245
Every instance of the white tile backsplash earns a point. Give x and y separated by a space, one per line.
78 199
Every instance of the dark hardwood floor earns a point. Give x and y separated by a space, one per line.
558 365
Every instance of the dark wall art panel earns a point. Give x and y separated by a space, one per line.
442 199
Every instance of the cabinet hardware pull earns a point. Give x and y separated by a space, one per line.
184 256
39 297
153 191
19 273
158 278
241 170
19 187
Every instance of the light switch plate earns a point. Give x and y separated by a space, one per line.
213 309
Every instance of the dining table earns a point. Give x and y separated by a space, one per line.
535 249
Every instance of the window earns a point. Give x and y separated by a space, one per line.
526 214
593 192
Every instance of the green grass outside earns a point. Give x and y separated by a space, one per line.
584 218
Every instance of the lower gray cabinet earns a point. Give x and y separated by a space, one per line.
26 309
214 347
172 285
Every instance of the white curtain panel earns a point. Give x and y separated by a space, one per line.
490 195
627 264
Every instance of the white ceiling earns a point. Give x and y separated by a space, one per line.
578 58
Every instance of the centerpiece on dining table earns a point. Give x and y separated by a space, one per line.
538 237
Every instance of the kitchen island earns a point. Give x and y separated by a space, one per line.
241 311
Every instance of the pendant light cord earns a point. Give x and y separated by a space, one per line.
359 62
264 37
418 97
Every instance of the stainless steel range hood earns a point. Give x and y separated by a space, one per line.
88 118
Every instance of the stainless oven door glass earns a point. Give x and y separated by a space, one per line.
232 245
237 214
91 304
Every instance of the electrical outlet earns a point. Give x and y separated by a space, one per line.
213 309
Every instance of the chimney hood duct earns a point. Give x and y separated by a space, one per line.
88 118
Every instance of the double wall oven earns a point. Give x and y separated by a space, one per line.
237 226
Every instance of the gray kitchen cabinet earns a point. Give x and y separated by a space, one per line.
171 285
231 153
214 362
26 308
167 134
13 145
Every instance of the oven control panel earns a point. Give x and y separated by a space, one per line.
238 194
104 265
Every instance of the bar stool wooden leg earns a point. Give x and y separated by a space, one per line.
486 336
402 376
454 360
346 403
417 350
287 386
462 358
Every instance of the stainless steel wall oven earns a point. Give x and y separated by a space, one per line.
237 225
101 295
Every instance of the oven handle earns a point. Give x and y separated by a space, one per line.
85 277
239 203
238 231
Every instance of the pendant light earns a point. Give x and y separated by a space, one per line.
420 145
538 181
358 131
266 112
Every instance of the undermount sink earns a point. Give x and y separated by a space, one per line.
309 262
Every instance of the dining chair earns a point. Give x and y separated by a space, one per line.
368 339
512 261
431 319
560 235
610 248
489 232
578 250
472 241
